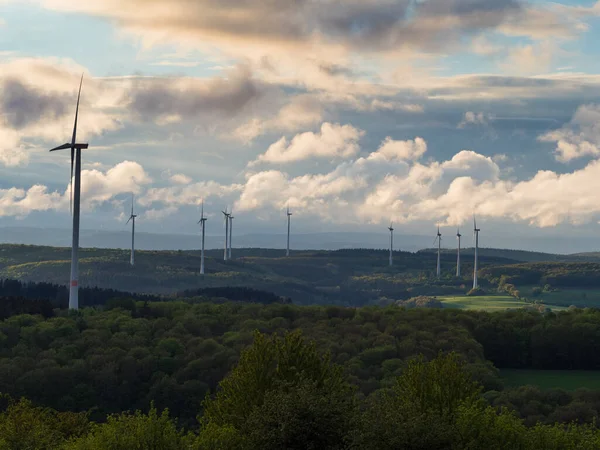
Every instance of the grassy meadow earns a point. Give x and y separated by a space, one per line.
569 380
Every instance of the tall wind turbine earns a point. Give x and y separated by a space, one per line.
226 219
202 223
391 228
230 231
289 216
438 238
132 220
458 236
75 206
475 266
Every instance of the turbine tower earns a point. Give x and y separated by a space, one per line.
475 266
230 231
132 220
289 216
202 223
458 236
391 228
75 205
226 219
438 238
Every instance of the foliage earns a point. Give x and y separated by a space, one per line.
282 394
420 302
136 431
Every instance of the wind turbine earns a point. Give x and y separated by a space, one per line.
458 236
475 266
226 219
75 205
202 223
391 228
230 231
132 220
438 238
289 216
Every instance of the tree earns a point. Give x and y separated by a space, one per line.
282 394
134 432
420 410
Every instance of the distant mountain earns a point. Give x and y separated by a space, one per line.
314 241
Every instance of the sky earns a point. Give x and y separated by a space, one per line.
355 113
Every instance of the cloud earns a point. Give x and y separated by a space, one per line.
190 194
530 59
23 105
300 112
12 153
376 25
333 141
580 137
404 150
97 188
184 99
473 118
180 178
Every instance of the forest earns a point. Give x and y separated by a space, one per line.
283 393
130 355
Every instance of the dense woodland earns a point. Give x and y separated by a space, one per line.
173 353
284 394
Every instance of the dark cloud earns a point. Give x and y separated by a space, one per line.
23 105
376 25
160 98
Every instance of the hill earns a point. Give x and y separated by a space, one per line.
344 277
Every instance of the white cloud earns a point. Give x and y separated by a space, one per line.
96 188
333 141
405 150
580 137
180 178
12 153
473 118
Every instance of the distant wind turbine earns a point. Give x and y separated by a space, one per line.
289 216
132 220
226 220
230 230
476 265
75 205
458 236
391 228
202 223
438 239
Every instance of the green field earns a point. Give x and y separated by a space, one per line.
484 302
548 379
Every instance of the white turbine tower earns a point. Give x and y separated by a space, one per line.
132 220
230 231
75 206
476 265
289 216
458 236
202 223
226 220
391 228
438 239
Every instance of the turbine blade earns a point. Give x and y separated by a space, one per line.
77 112
129 220
132 201
62 147
202 213
71 182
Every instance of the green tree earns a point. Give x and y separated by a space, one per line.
282 394
134 432
26 427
